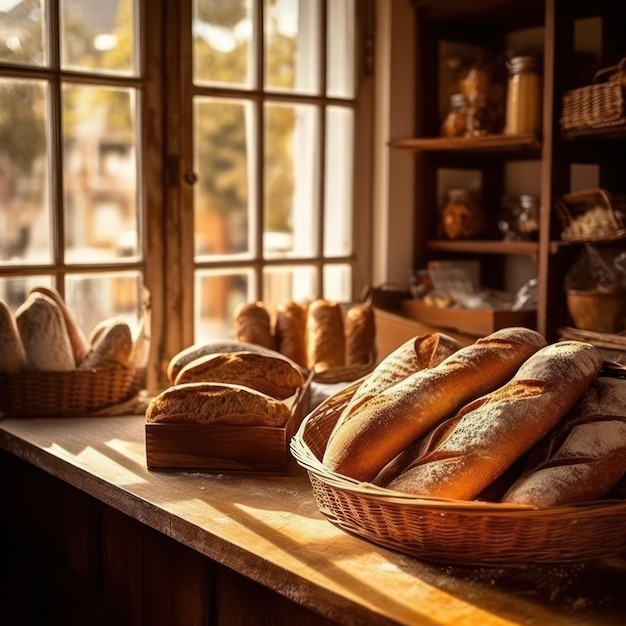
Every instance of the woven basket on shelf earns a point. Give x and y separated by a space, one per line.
591 215
450 531
598 106
346 373
63 394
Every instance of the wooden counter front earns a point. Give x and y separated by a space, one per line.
268 529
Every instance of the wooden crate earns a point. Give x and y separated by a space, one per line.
225 447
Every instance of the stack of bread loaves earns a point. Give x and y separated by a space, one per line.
442 421
320 336
228 383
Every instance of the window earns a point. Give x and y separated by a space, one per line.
218 167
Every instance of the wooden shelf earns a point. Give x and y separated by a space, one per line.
486 143
485 246
618 132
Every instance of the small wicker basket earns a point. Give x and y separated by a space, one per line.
450 531
346 373
591 215
598 106
65 394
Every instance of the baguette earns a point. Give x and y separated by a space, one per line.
216 403
80 345
290 331
376 429
253 325
360 331
12 354
584 458
44 335
467 452
274 376
325 336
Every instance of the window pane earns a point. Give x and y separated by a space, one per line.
338 282
224 160
100 174
99 36
15 290
292 38
22 32
216 296
291 180
222 42
93 298
338 189
340 51
24 174
281 284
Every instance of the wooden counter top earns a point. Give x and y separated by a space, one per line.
269 529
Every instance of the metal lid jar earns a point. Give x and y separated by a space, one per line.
524 96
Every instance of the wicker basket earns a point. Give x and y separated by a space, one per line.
599 105
64 394
591 215
346 373
449 531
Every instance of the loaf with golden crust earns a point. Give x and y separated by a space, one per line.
216 403
376 429
584 457
360 331
290 331
253 324
12 355
325 335
275 376
467 452
112 348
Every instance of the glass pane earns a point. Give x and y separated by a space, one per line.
292 37
291 180
225 163
281 284
338 189
100 174
340 81
25 216
222 42
338 282
99 36
216 296
93 298
14 291
23 27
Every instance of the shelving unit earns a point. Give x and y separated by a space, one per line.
493 25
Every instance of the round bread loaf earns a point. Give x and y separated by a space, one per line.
584 457
466 453
80 345
274 376
290 331
325 336
195 351
12 355
216 403
112 348
376 429
360 331
253 324
44 335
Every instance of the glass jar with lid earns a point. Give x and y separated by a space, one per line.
455 123
462 215
520 218
524 94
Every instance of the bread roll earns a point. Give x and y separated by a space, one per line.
290 331
112 348
216 403
376 429
325 336
193 352
274 376
80 345
465 454
360 331
586 455
12 355
253 325
44 335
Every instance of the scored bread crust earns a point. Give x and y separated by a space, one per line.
12 355
253 324
325 335
216 403
290 331
584 457
379 428
274 376
469 451
360 331
112 348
